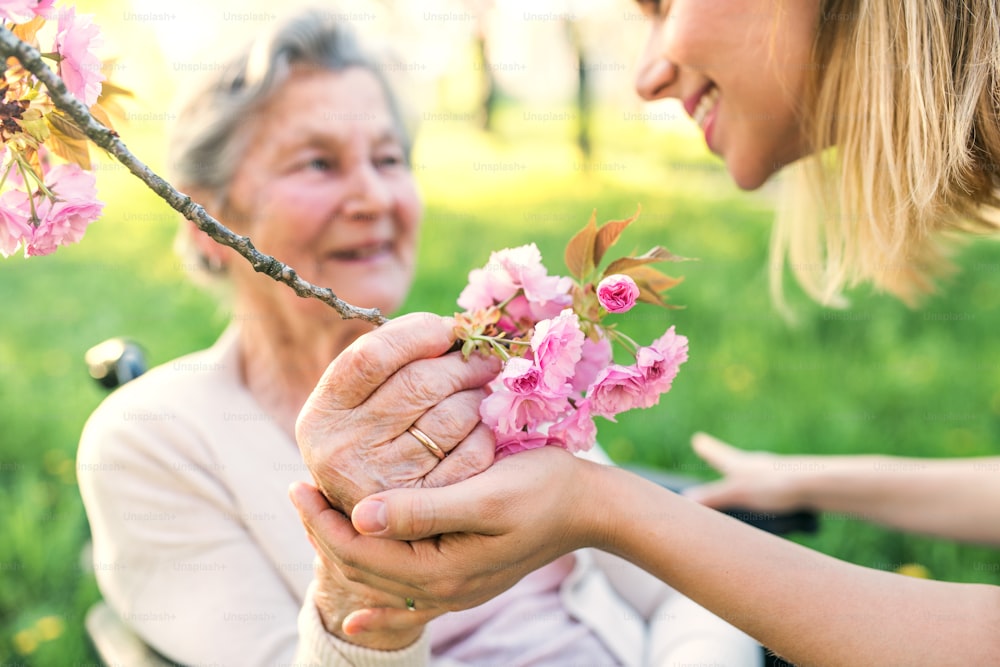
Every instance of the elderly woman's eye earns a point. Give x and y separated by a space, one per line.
389 160
320 164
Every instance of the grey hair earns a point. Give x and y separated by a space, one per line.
207 141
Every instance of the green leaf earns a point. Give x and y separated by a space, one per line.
608 235
37 128
580 250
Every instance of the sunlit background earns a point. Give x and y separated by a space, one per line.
878 377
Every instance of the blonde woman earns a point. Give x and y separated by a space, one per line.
889 111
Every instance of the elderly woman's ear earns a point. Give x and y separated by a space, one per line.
215 256
211 256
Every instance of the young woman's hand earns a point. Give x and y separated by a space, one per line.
482 535
752 480
352 431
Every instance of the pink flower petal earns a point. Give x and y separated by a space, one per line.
79 68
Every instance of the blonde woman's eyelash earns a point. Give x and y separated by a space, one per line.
652 8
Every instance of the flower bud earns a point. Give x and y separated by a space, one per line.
617 293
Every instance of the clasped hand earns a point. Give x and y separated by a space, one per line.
352 431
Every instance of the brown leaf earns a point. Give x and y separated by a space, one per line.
608 235
26 31
113 109
651 283
580 250
64 125
98 112
107 106
68 141
656 280
657 254
108 89
647 295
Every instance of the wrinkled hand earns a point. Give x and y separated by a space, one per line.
752 480
352 430
338 601
485 533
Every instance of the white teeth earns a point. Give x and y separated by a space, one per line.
362 253
705 105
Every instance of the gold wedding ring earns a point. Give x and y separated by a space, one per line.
426 441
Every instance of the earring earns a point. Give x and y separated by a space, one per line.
215 265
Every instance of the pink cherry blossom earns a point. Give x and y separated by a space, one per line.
524 399
486 287
549 394
507 413
616 389
521 263
45 9
79 67
542 302
617 293
522 376
576 431
64 221
660 362
21 11
596 356
556 346
14 226
514 269
521 441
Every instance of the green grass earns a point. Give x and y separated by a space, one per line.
879 377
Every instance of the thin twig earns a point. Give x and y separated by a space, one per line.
32 61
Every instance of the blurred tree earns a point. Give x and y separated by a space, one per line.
583 98
490 95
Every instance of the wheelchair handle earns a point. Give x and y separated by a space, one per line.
115 361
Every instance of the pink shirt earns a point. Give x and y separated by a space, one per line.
531 614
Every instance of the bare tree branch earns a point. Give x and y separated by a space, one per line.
109 140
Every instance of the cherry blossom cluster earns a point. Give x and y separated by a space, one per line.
559 371
48 195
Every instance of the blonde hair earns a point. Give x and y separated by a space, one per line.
904 115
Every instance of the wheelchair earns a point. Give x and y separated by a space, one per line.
116 361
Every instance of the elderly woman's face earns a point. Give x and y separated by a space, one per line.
325 187
739 69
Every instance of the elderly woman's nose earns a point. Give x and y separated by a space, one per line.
368 190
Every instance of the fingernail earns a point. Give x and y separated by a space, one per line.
694 493
292 491
370 517
354 623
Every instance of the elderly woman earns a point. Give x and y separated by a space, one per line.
299 144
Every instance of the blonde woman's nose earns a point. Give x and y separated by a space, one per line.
654 77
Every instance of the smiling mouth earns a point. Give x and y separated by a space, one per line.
363 252
705 105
